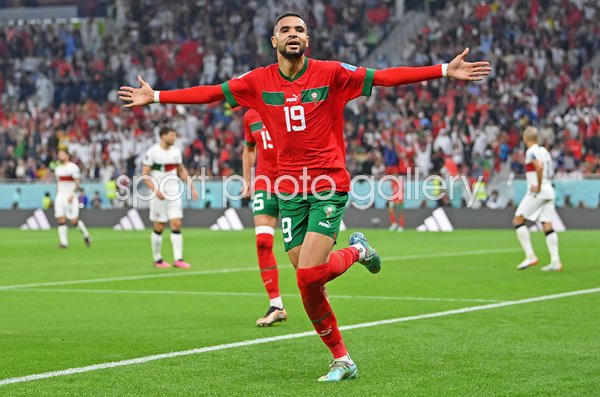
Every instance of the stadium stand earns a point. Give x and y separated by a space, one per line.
58 85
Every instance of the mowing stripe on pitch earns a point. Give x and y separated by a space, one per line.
245 269
155 357
451 254
244 294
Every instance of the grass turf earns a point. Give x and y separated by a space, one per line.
543 348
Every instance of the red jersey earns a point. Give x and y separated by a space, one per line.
398 189
304 116
257 135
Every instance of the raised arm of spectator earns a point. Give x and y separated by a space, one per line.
457 69
145 95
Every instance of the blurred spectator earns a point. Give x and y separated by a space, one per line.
47 201
83 199
96 200
16 199
492 201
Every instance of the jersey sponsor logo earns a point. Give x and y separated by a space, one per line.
293 99
326 332
325 224
351 68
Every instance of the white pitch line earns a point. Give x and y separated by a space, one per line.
244 294
244 269
142 360
126 278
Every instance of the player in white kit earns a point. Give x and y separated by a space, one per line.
538 203
66 206
163 163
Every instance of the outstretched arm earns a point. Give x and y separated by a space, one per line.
146 95
457 69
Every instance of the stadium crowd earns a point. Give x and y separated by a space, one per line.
58 85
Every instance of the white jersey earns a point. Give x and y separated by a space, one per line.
540 154
66 177
163 164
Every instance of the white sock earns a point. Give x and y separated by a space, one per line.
83 229
62 235
345 358
156 240
277 302
361 251
525 240
552 243
177 241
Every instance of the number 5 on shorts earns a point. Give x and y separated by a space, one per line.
286 225
259 203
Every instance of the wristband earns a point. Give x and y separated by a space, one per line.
157 96
444 70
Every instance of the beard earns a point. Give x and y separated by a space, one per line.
291 55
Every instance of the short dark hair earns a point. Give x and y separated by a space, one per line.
165 131
289 14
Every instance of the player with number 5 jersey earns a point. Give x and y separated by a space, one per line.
259 151
301 102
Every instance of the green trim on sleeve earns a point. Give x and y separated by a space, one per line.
249 144
256 126
228 95
368 84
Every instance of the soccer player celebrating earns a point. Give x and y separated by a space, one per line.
68 178
265 208
538 203
301 102
161 167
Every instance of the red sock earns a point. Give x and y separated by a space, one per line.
401 219
310 282
392 217
319 311
339 262
267 264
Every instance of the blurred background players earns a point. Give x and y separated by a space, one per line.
538 203
68 178
396 205
265 208
162 168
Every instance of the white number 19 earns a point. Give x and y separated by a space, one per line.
294 113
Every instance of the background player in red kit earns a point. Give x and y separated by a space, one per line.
396 205
301 102
265 208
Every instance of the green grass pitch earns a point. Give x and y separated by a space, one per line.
544 348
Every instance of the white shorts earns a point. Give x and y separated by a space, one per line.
536 209
64 209
164 210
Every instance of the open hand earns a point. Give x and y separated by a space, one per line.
137 96
459 69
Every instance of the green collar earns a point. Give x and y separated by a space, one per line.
299 74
